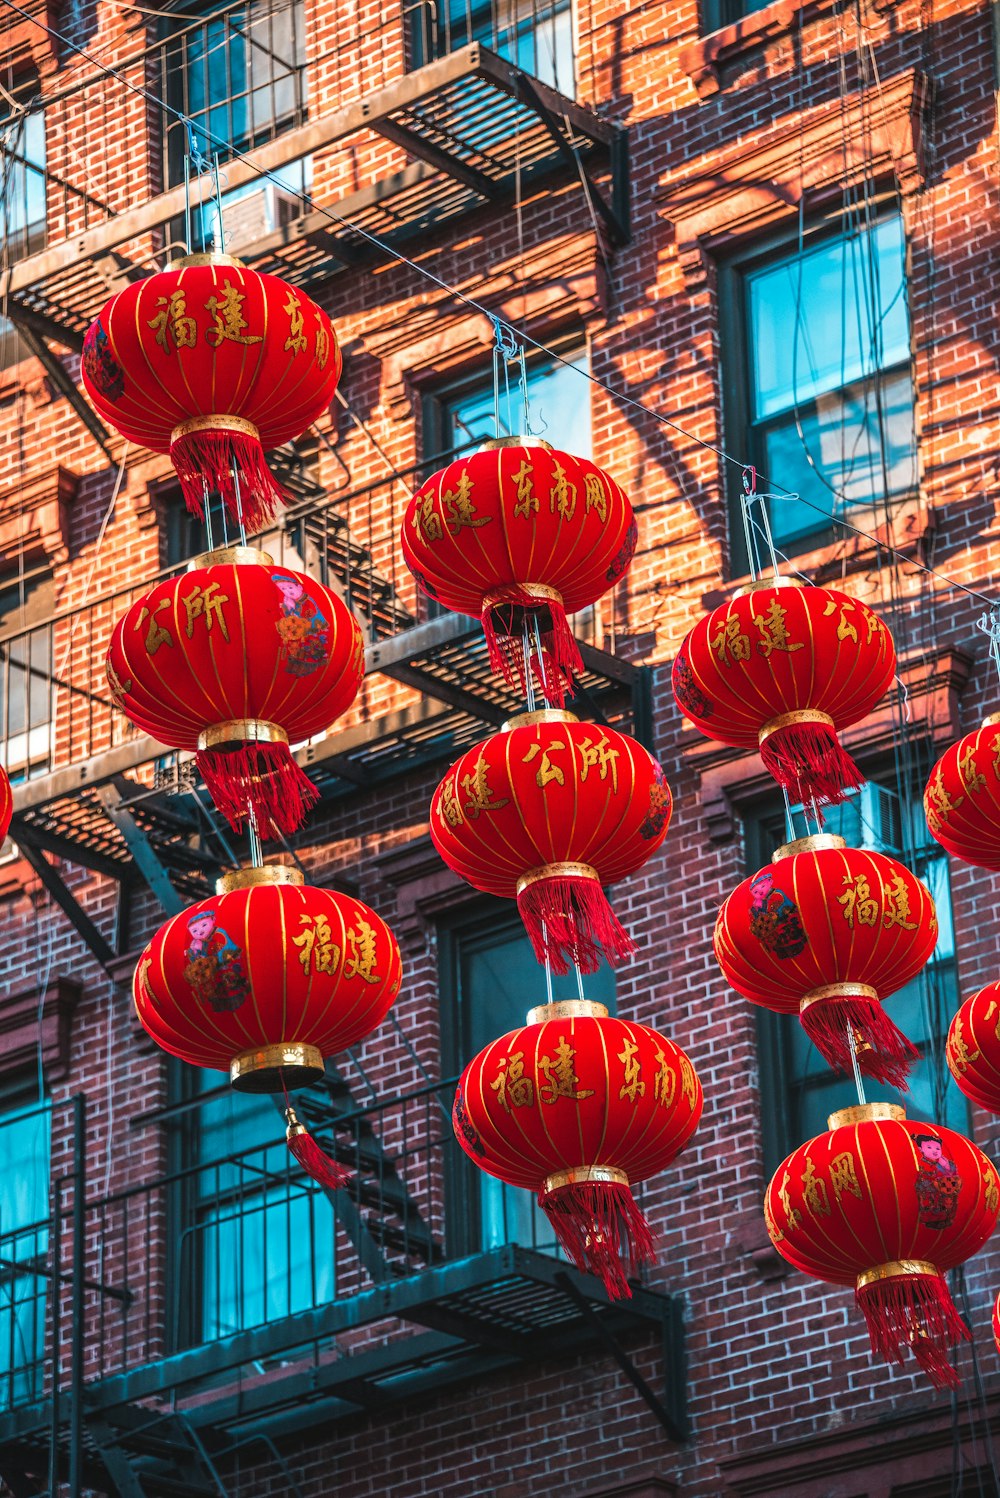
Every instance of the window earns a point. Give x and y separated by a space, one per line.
535 35
719 13
817 376
24 1245
238 75
257 1238
489 980
22 196
802 1088
558 406
26 676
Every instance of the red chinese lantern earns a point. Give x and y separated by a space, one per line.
962 799
887 1205
6 803
235 658
264 980
578 1107
827 932
546 812
215 364
996 1323
522 535
973 1049
785 668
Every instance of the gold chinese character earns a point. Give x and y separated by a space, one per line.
296 340
875 626
559 1075
205 603
792 1214
596 495
475 787
972 777
322 346
773 1231
174 329
601 755
857 901
546 770
427 521
843 1176
157 634
731 642
937 803
897 905
664 1083
511 1079
774 631
689 1083
990 1013
229 322
845 629
632 1085
461 510
118 687
361 946
316 944
562 497
814 1192
450 808
958 1049
527 499
990 1185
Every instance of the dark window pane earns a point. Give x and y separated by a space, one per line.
558 407
24 1241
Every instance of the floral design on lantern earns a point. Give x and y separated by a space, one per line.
207 661
962 798
547 812
521 535
827 932
973 1048
785 668
579 1107
887 1206
215 364
316 971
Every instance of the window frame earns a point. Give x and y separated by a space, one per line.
741 433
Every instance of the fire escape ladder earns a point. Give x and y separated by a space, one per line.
153 1454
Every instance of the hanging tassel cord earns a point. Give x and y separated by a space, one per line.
261 776
808 760
314 1160
211 458
914 1311
569 920
555 660
857 1030
603 1231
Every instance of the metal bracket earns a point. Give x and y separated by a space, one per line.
27 326
672 1416
66 900
530 96
140 847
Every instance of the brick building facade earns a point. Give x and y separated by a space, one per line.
771 233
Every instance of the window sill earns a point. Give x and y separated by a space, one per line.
705 61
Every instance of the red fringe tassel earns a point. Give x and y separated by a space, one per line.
315 1161
807 759
883 1051
211 459
602 1230
261 776
914 1311
561 662
568 919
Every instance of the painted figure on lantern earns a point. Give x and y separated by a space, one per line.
938 1183
304 630
774 918
215 969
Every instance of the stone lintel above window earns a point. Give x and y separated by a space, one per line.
752 184
35 1015
709 60
35 518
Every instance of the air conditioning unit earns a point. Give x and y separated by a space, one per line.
881 819
248 219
